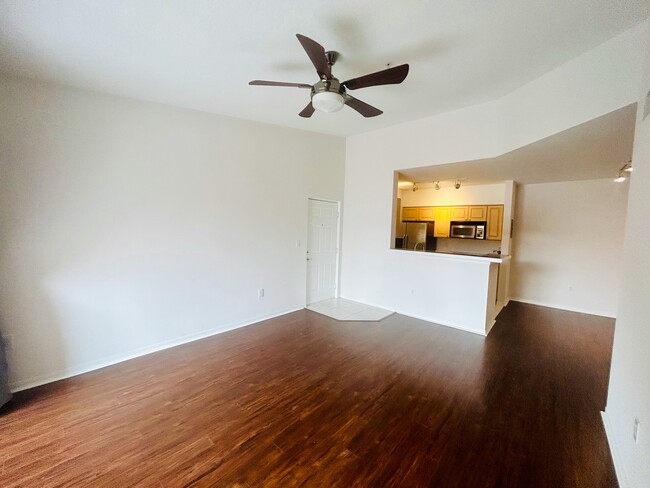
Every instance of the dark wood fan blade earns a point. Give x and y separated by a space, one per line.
390 76
279 83
308 111
362 107
316 53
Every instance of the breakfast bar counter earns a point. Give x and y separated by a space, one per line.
462 290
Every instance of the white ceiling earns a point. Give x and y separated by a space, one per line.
593 150
201 53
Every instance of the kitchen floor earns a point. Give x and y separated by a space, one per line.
342 309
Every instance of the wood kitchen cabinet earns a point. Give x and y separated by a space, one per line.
459 213
421 214
442 218
409 213
427 214
477 213
494 222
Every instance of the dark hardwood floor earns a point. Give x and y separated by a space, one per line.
303 400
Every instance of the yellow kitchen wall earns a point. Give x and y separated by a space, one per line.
448 195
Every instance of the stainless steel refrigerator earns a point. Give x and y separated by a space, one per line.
418 236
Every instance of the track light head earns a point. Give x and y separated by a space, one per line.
624 172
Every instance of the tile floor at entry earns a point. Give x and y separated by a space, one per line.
342 309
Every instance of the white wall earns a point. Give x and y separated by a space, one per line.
128 226
548 105
427 286
568 242
595 83
629 384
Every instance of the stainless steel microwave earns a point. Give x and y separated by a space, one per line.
467 230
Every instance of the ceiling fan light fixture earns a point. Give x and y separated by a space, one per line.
327 101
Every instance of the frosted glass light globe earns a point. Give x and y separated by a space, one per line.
327 101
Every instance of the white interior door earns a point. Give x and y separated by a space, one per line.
322 250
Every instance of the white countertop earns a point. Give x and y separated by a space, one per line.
456 255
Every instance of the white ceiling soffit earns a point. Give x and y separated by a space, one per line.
201 54
592 150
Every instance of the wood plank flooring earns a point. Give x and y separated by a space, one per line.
304 400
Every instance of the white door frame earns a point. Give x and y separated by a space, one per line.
338 246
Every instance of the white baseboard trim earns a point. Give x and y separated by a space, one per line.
489 327
563 307
446 324
616 457
142 351
426 319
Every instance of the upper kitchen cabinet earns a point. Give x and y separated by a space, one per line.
427 214
477 213
442 218
420 214
494 222
459 213
410 213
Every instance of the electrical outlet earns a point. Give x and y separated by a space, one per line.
260 293
8 342
635 432
298 243
412 292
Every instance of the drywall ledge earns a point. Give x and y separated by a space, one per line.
161 346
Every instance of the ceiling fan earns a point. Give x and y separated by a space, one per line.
328 94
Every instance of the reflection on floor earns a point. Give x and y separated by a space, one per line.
342 309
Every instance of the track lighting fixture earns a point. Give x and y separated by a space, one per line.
457 184
415 187
437 185
624 172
